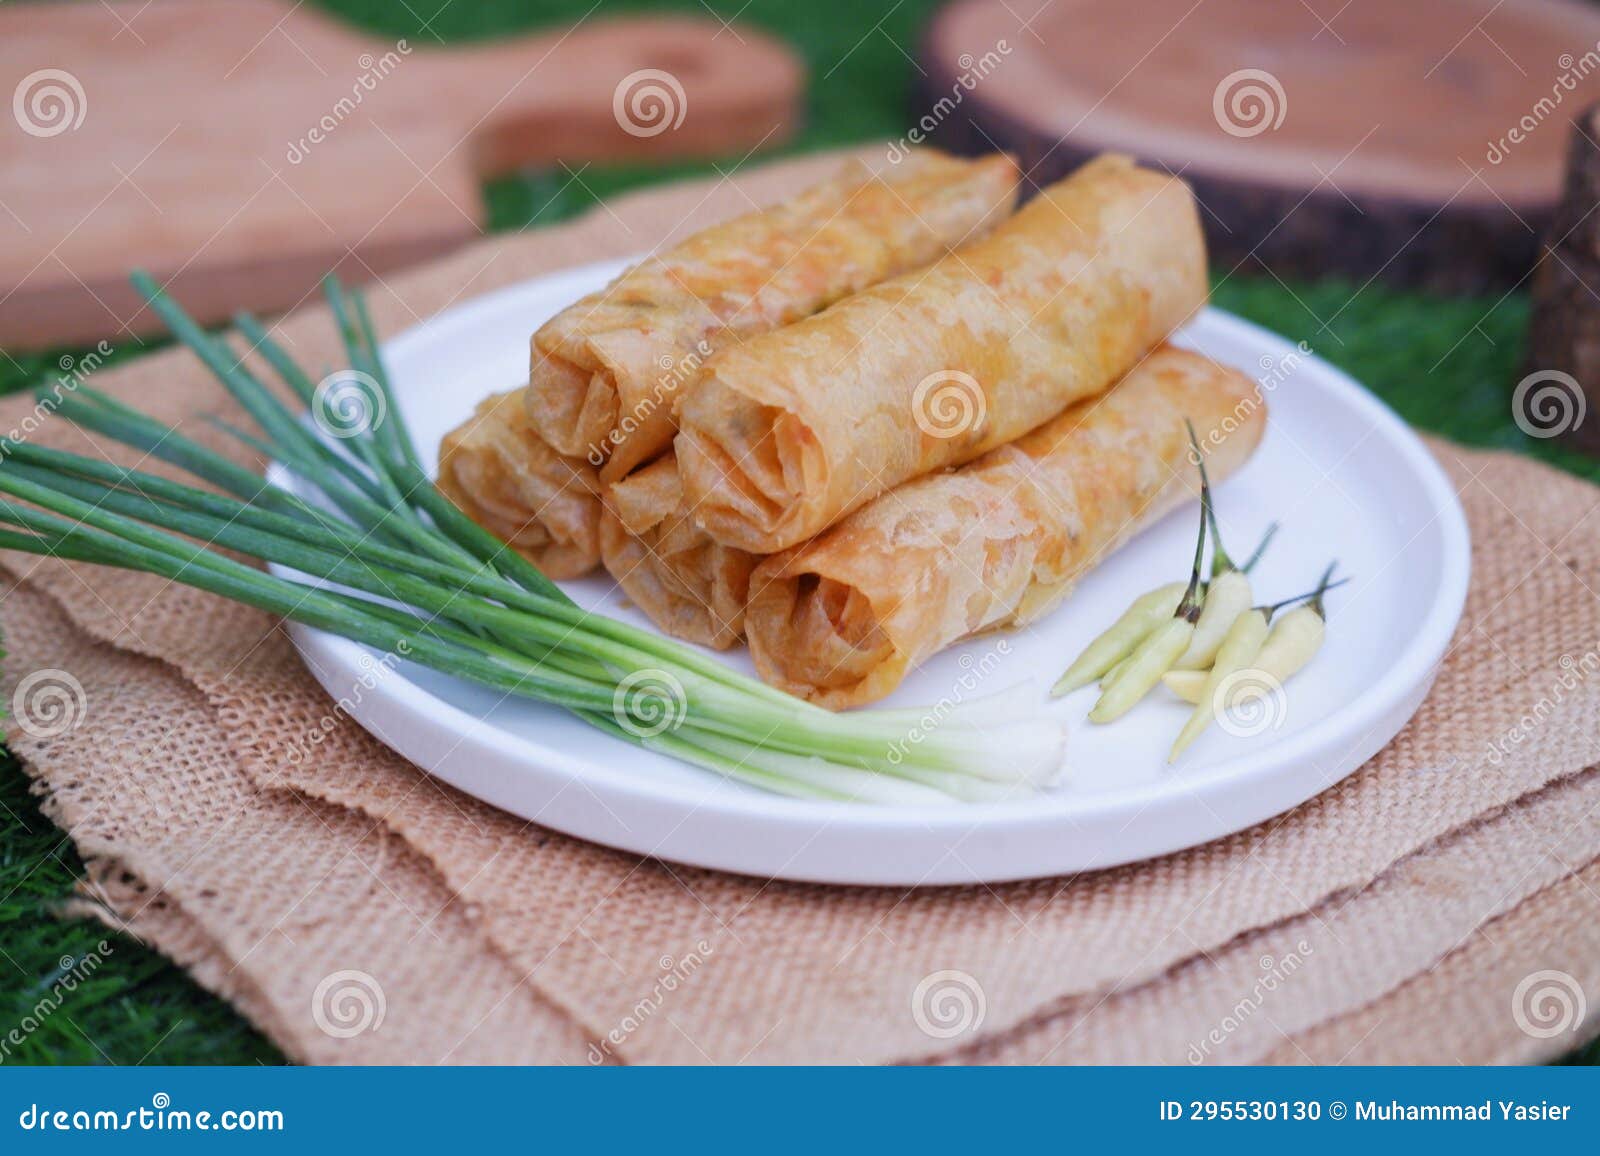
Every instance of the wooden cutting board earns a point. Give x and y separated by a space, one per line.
241 149
1374 138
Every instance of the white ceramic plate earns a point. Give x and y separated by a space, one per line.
1345 476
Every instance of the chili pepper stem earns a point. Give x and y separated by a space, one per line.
1221 563
1225 597
1261 548
1312 598
1193 596
1315 603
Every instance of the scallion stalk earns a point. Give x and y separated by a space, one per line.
392 564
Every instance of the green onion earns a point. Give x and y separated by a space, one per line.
383 558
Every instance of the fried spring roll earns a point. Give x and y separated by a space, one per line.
783 434
690 586
997 543
605 372
545 506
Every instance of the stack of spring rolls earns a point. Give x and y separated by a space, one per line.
860 426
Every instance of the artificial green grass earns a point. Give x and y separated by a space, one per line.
130 1007
1446 365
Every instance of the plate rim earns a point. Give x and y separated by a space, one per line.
1401 687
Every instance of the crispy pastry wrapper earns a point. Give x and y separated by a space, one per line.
999 542
605 372
508 480
690 586
783 434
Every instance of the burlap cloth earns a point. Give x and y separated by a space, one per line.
1395 917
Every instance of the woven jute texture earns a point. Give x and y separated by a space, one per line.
357 911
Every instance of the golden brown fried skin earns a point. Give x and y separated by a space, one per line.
780 436
690 586
503 475
606 372
999 542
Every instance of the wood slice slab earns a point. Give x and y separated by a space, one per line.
1559 394
240 149
1420 142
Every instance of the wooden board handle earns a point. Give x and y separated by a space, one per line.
608 90
240 149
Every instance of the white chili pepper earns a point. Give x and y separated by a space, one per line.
1240 652
1154 656
1294 640
1190 685
1110 676
1105 657
1227 597
1144 669
1118 641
